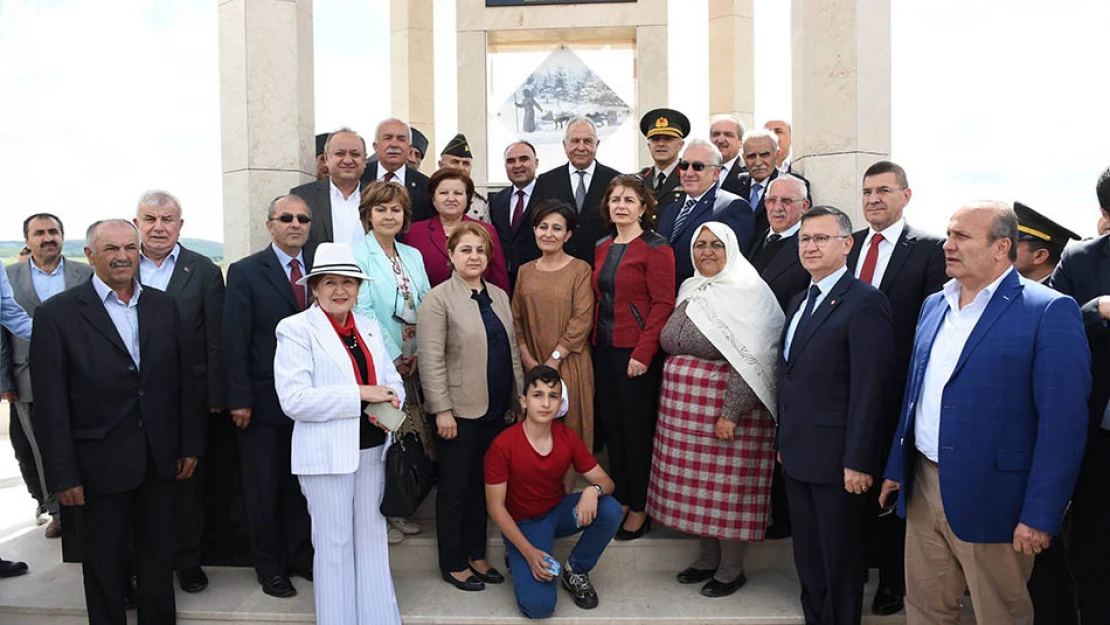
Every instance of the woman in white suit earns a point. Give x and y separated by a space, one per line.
330 363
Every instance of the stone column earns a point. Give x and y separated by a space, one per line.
266 112
472 97
412 65
732 59
651 76
841 97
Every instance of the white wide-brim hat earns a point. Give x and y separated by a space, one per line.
335 259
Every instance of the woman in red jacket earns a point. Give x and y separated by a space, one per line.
634 284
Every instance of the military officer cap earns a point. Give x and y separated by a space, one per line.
458 146
321 143
1033 226
419 141
666 122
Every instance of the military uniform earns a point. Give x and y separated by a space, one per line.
459 147
668 123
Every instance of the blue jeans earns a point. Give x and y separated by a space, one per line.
535 598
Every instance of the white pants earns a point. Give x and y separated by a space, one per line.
351 569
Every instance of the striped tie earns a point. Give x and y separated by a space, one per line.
683 215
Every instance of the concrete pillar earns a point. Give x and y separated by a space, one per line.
651 77
266 112
841 97
412 65
732 54
472 97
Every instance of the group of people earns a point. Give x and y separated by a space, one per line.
751 366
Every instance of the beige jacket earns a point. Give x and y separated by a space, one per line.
451 345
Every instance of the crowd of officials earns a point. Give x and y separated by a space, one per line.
751 366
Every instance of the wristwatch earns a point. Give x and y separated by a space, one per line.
556 356
600 491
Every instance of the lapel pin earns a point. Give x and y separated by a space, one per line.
832 302
186 269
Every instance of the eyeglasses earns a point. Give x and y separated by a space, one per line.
715 245
286 218
683 165
820 240
880 191
771 200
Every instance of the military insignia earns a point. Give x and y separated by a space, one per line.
662 122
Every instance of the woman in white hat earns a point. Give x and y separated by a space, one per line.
330 363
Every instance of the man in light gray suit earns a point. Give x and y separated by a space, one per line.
44 274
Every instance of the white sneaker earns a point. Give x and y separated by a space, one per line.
407 527
395 536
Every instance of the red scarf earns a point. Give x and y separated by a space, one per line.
346 331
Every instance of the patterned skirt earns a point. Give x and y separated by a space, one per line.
699 484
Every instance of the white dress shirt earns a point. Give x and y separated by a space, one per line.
949 344
158 276
785 234
527 198
125 317
588 178
398 176
886 249
825 285
727 167
346 227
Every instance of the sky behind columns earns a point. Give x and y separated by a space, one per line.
104 100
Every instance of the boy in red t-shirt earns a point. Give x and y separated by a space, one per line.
525 495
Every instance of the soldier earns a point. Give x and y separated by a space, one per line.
1041 241
418 149
457 156
665 130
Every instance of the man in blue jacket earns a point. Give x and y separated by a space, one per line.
992 429
15 319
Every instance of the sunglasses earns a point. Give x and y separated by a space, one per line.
697 165
286 218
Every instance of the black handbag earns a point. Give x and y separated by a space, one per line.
408 475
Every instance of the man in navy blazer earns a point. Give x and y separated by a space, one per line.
703 200
392 145
992 429
511 208
837 354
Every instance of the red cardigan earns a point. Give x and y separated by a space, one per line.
642 295
427 236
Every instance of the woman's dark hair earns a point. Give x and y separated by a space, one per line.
551 207
445 174
637 185
544 374
379 193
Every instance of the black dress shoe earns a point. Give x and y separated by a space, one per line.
778 532
714 588
302 573
277 586
887 602
623 534
491 576
471 584
192 579
12 569
694 576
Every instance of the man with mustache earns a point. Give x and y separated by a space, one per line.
42 276
334 201
665 130
393 142
759 151
117 421
726 132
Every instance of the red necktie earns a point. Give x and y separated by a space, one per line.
518 212
868 271
388 176
298 290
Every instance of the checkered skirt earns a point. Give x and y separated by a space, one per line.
699 484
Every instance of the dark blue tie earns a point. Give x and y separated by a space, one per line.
814 293
683 214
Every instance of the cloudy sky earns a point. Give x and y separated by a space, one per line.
104 100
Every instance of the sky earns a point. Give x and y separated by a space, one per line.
102 101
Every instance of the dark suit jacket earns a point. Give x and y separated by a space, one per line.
1084 274
780 267
16 350
715 205
258 297
743 187
96 413
519 247
832 390
415 182
731 181
556 184
198 286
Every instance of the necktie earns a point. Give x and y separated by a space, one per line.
580 192
753 199
814 293
683 215
774 238
868 270
660 180
388 176
298 290
518 212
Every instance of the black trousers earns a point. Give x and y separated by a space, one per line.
780 508
25 457
277 513
461 499
110 524
1089 549
828 527
629 409
1051 586
886 543
188 521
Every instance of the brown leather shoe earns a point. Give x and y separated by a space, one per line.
54 530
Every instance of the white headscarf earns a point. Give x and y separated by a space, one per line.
738 313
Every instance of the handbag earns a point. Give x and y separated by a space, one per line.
408 475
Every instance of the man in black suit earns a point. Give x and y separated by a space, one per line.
580 183
261 291
775 251
1084 274
906 265
759 152
727 132
392 146
838 350
117 421
665 130
197 284
511 207
335 200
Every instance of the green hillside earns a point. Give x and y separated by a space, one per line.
9 250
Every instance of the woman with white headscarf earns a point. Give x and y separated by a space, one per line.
714 443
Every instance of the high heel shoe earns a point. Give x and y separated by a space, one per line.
623 534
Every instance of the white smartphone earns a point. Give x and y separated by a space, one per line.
386 415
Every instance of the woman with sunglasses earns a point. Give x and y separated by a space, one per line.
392 297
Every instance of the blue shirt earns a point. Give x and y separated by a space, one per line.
48 285
12 315
156 276
124 316
285 259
